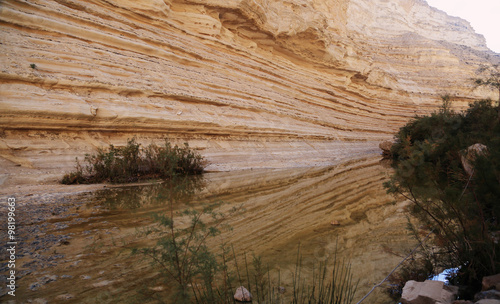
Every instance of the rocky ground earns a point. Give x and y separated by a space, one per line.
37 234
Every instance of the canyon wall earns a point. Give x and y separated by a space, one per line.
250 83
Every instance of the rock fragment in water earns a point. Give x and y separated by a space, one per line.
66 296
242 295
34 286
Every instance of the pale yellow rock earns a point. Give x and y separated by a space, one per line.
260 83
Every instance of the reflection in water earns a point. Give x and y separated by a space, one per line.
179 189
283 208
280 209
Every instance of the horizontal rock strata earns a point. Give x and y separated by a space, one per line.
237 79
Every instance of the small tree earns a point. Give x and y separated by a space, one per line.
461 209
183 255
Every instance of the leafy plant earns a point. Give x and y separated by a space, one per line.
132 162
182 254
461 209
198 273
75 177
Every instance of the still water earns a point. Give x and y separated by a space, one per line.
324 209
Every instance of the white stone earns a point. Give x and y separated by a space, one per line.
242 295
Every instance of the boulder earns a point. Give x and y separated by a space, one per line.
491 282
470 154
488 301
428 292
386 146
488 294
242 295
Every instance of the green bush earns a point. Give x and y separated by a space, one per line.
462 210
182 254
198 274
131 163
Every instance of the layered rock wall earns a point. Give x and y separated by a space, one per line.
234 78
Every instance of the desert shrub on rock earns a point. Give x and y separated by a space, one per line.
132 163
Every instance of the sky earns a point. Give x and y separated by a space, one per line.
484 16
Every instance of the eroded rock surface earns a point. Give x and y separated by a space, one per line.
271 81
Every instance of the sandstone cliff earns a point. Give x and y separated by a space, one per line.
251 83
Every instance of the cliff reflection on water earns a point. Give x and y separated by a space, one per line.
282 208
278 209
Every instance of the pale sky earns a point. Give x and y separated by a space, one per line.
484 16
